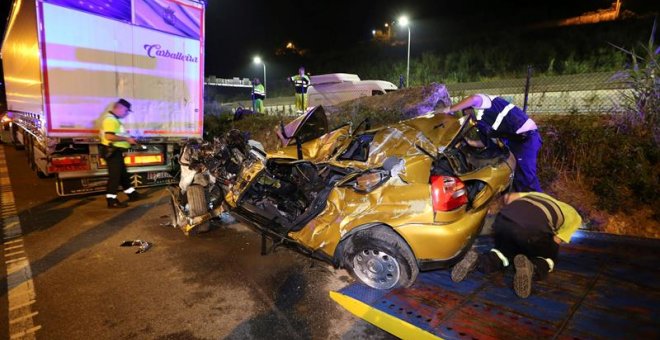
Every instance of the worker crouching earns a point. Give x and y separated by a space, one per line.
527 232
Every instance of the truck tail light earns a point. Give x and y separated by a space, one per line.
141 159
68 163
448 193
138 159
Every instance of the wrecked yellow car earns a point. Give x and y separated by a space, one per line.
384 203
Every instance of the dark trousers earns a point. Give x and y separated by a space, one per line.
535 242
117 171
526 153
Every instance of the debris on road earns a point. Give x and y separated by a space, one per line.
169 223
144 245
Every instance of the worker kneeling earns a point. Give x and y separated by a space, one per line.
527 233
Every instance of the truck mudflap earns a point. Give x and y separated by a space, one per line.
84 185
604 286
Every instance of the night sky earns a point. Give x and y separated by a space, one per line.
236 30
239 29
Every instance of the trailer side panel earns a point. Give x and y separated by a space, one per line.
20 60
93 59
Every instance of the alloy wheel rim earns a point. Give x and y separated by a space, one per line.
376 268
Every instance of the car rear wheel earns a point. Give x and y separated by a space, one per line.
380 258
198 205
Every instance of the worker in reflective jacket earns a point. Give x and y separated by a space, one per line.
258 95
527 232
114 142
497 118
301 82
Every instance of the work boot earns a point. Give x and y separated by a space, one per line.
114 203
135 196
522 280
465 266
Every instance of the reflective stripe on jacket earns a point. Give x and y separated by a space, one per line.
301 83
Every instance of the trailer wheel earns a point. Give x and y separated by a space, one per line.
42 174
13 139
198 205
28 151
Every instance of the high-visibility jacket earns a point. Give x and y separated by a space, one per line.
301 83
538 208
259 92
111 124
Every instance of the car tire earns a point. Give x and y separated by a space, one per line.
198 205
380 258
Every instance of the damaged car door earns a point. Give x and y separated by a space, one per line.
308 137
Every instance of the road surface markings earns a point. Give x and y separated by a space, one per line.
21 306
13 247
16 260
20 287
14 253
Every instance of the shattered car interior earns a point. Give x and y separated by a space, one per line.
287 193
208 169
383 203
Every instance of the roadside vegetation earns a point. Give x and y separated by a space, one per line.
608 165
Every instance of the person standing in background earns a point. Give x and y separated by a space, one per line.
258 95
301 83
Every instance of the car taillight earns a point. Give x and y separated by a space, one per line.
448 193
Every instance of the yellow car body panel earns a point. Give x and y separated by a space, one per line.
247 175
317 150
403 202
407 208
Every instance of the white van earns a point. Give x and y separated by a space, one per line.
334 88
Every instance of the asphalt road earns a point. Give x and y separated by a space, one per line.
216 285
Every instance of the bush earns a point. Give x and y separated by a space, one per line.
258 126
620 167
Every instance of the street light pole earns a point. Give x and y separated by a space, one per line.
404 22
408 64
265 84
257 60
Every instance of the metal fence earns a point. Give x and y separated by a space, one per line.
578 93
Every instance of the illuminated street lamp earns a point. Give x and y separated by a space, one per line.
404 22
373 32
257 60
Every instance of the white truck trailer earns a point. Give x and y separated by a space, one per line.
67 61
